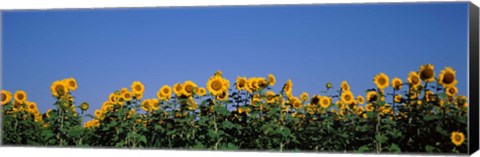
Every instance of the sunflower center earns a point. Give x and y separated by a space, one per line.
138 87
166 90
59 88
72 83
189 88
451 91
315 100
4 97
325 102
382 81
20 96
458 138
31 106
348 97
216 85
448 78
427 73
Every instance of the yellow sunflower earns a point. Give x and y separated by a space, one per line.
241 83
223 96
296 103
189 87
123 90
6 97
369 107
381 80
154 105
32 107
347 97
270 97
360 110
251 85
315 100
127 96
429 96
20 96
413 79
398 98
178 89
71 83
345 86
137 88
98 113
48 113
457 138
451 91
304 96
397 83
216 86
427 73
325 102
255 100
262 82
112 98
59 88
84 106
328 85
201 91
360 99
271 80
447 77
147 105
372 96
218 73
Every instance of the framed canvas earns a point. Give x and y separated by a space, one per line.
382 78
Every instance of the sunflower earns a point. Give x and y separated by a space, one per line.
369 107
255 100
296 103
123 90
137 88
112 98
32 107
397 83
48 113
201 91
347 97
398 98
447 77
427 73
98 113
360 110
344 85
107 106
84 106
325 102
430 96
270 97
178 89
280 100
457 138
154 105
241 83
262 82
127 96
147 105
223 96
271 80
381 80
96 123
20 96
372 96
71 83
413 79
304 96
451 91
328 85
360 99
315 100
6 97
218 73
59 88
189 87
216 86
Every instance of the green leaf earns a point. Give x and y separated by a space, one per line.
363 148
394 148
142 139
441 131
429 148
381 138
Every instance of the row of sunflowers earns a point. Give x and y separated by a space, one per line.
423 114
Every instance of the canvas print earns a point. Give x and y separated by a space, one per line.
347 78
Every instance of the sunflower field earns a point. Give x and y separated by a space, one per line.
423 113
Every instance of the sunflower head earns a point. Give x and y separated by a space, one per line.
413 79
347 97
241 83
262 83
369 107
447 77
164 93
344 85
137 88
59 88
178 89
315 100
325 102
84 106
397 83
127 96
216 85
270 95
381 80
147 105
20 96
398 98
296 103
71 83
304 96
223 96
188 88
372 96
6 97
427 73
360 99
451 91
201 91
457 138
271 80
328 85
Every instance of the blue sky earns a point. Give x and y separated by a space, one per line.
107 49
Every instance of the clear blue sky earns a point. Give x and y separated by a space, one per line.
107 49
